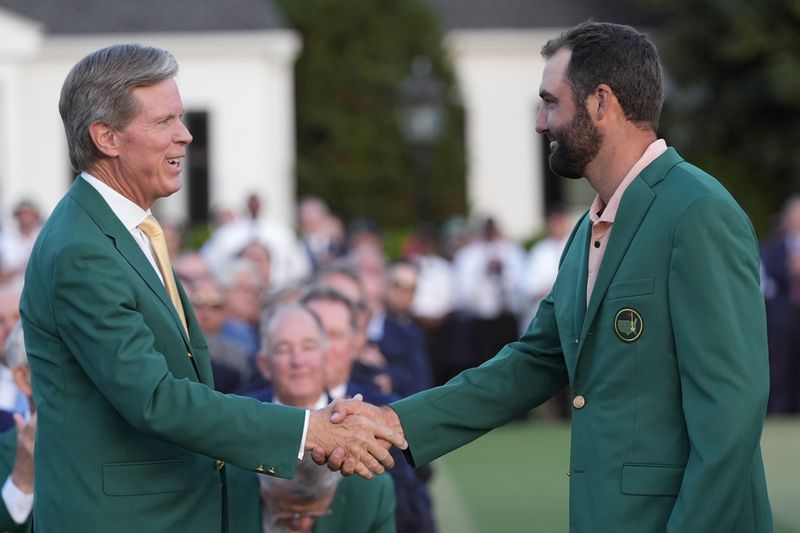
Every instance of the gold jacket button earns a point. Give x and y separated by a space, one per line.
218 464
261 470
578 402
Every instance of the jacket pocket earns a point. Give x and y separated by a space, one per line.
149 477
633 287
652 479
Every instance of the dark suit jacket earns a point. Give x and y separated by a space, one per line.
783 312
670 400
6 420
129 425
8 453
404 349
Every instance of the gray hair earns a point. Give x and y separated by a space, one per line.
311 482
99 88
229 272
15 348
272 316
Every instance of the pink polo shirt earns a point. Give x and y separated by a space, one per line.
602 215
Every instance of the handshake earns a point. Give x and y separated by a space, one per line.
354 437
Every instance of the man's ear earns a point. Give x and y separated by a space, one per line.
263 366
105 138
603 100
22 379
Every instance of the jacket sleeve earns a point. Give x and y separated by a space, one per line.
521 376
718 317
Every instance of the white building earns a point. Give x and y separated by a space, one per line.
236 79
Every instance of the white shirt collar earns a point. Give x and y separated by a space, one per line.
130 214
338 391
321 402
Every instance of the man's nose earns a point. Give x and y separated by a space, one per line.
183 136
541 122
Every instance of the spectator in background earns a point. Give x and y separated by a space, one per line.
541 265
339 318
456 233
334 228
16 445
316 231
370 367
232 366
11 398
242 282
259 254
364 232
401 286
433 306
293 357
780 261
17 241
404 355
191 268
288 262
487 274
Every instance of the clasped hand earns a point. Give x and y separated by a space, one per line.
354 437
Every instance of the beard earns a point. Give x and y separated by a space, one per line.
578 144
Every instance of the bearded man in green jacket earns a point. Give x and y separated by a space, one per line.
656 320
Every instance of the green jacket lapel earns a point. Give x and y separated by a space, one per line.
632 209
107 221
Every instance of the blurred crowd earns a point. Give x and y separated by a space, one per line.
309 314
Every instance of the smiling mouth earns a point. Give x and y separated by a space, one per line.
175 162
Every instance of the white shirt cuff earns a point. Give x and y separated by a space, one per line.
18 503
303 440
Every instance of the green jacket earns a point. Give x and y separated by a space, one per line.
669 359
8 453
129 426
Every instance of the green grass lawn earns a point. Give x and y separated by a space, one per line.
513 479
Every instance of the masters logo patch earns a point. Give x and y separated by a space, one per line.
628 324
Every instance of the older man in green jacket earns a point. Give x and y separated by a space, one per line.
131 435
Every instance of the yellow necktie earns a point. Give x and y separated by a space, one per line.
153 230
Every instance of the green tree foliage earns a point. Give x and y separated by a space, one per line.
350 152
733 105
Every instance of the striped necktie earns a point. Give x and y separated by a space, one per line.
153 230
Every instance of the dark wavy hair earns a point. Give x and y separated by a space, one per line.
622 58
